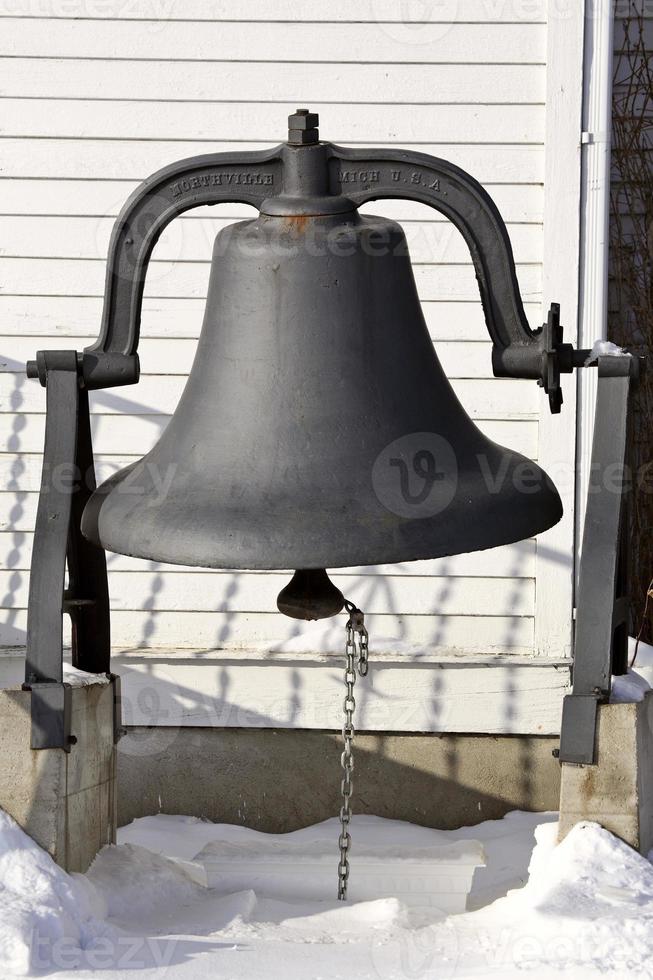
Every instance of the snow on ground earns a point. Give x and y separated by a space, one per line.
586 910
37 898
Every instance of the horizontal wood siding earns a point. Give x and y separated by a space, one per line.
95 96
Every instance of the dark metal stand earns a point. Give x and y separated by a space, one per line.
601 644
67 479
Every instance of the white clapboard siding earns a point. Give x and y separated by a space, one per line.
162 81
403 17
194 120
208 630
254 593
96 96
288 42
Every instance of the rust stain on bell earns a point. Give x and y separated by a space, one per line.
297 223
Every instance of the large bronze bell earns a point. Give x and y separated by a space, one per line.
317 428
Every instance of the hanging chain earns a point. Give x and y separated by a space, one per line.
355 629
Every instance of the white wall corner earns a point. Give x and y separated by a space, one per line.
595 225
561 264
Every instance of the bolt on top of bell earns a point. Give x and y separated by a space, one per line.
303 127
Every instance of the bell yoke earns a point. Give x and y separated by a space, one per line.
317 428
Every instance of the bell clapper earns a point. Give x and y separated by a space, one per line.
355 628
310 595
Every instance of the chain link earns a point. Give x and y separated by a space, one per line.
355 628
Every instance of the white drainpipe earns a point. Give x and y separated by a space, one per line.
595 215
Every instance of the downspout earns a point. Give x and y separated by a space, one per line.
595 219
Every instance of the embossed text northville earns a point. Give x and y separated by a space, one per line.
220 180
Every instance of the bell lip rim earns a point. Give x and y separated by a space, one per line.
95 537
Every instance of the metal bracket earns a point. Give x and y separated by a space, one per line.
67 481
118 730
215 178
601 619
518 352
51 715
579 725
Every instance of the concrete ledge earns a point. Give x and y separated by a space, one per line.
617 792
65 801
277 780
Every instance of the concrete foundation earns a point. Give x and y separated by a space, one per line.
65 801
277 780
617 792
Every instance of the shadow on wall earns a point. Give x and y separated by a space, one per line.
276 779
279 780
